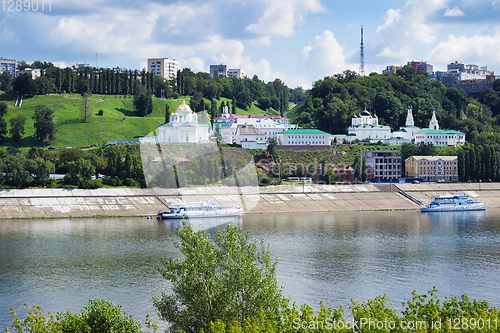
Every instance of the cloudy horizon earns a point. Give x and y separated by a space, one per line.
298 41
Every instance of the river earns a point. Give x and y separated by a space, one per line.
334 257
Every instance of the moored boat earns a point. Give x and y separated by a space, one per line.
452 203
203 209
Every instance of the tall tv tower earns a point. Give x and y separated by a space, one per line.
362 56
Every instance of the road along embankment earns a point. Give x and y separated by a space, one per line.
58 203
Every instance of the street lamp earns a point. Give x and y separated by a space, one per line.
54 161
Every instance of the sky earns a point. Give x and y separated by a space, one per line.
297 41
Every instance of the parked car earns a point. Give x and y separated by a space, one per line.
415 182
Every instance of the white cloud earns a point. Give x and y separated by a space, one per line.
413 22
324 56
401 55
281 16
455 11
60 64
479 49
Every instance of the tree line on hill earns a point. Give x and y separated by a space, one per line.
242 92
335 99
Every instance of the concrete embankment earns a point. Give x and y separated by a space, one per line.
56 203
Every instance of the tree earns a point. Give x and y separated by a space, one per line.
3 124
364 170
44 123
86 108
167 113
357 168
17 127
22 65
6 81
79 171
142 101
271 149
25 85
230 278
40 168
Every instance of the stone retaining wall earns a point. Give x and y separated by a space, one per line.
55 203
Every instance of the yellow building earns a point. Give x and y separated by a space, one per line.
432 168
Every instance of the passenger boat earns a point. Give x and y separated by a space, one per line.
452 203
203 209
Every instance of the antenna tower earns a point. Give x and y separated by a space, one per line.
362 56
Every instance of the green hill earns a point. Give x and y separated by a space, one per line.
118 121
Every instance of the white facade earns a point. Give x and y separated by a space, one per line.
227 126
239 73
304 137
365 126
164 67
183 127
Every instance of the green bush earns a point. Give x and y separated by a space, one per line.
91 184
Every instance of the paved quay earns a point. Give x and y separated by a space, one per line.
57 203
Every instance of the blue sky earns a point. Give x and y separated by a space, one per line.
298 41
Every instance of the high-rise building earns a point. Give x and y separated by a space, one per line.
218 70
239 73
164 67
8 65
222 71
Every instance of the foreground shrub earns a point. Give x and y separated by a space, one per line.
98 316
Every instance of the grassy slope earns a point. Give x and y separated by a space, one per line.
118 122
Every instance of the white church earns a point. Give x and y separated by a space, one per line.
182 128
365 126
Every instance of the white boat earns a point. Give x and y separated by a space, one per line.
203 209
453 203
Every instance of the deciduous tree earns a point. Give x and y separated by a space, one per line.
44 123
229 277
17 127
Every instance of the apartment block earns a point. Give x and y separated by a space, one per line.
164 67
470 78
238 73
218 70
8 65
222 71
421 66
385 164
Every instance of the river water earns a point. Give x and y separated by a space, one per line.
334 257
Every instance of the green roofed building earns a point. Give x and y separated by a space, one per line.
303 139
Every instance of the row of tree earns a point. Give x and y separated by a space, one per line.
118 165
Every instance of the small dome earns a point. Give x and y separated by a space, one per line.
183 109
365 113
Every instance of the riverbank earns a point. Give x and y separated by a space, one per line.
59 203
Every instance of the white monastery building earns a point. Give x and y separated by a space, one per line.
365 126
249 131
182 128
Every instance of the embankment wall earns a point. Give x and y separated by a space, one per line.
57 203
